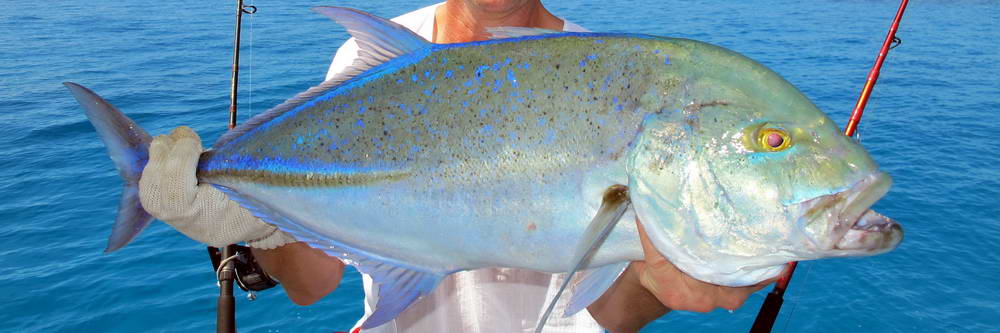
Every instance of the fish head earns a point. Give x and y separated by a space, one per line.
740 173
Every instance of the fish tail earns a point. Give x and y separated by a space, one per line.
128 145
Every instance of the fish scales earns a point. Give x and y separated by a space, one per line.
514 120
468 104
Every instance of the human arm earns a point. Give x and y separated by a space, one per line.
650 288
307 274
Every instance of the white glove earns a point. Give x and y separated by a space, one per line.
169 190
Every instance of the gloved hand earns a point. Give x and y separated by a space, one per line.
169 190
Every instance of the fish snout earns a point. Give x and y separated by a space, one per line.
843 222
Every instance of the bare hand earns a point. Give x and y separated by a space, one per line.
679 291
650 288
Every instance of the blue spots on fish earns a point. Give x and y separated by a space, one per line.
299 140
666 59
414 77
512 79
480 70
362 109
590 57
360 123
550 136
448 74
598 41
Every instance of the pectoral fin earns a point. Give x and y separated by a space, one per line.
593 286
613 206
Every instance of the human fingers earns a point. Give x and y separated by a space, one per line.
679 291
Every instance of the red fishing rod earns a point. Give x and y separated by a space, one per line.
772 304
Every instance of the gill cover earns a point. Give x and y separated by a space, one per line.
666 175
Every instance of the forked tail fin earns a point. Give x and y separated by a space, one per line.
128 145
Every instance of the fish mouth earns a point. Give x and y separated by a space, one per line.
842 224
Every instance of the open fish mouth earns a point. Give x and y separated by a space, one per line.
843 223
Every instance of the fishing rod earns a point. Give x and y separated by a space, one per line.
234 262
772 304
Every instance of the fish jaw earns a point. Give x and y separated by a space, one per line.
842 223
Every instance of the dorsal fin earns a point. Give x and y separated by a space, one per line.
379 40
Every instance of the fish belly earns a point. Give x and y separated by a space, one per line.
451 227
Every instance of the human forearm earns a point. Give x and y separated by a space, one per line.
627 306
307 274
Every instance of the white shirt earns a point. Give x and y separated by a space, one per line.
485 300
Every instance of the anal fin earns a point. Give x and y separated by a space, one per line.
398 291
399 284
613 206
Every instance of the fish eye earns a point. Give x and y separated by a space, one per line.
773 139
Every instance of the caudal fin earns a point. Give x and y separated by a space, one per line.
128 145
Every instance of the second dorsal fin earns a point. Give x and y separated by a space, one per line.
379 40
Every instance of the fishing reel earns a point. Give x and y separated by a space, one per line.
248 273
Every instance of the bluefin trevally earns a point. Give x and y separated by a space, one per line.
425 159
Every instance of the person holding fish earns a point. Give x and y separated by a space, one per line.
483 300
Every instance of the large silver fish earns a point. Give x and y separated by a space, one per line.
426 159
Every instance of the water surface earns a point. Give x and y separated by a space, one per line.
931 123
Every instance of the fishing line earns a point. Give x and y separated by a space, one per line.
222 264
795 303
250 69
252 9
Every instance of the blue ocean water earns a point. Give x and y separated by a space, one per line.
931 123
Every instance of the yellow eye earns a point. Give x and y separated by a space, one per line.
773 139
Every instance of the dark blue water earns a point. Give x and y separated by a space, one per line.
931 123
